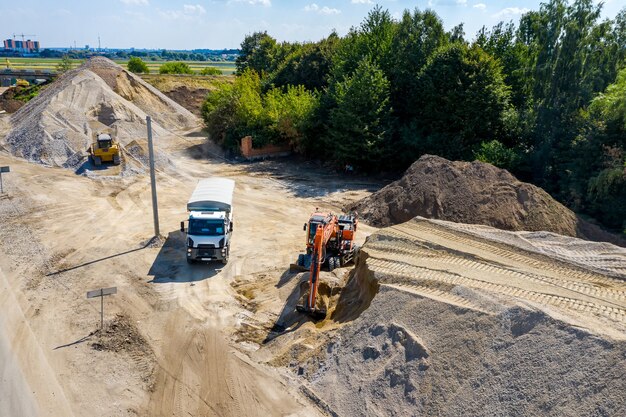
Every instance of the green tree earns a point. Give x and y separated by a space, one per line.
258 52
418 36
495 153
175 68
371 40
136 65
210 71
360 126
64 65
288 114
308 66
463 102
597 183
235 110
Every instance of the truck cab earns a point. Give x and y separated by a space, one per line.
208 236
210 221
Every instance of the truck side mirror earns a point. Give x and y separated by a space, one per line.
304 228
182 227
231 226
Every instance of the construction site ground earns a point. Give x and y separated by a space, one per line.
220 340
64 234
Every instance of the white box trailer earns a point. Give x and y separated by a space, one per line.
210 220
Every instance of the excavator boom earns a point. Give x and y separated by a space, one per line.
332 242
326 229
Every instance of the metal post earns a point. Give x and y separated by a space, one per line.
101 309
155 209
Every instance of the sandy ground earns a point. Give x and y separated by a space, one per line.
64 234
225 341
441 318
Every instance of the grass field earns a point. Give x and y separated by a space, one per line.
51 63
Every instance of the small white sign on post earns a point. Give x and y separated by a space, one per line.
3 169
102 292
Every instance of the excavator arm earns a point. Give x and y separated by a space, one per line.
325 231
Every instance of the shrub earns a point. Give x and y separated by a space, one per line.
210 71
175 68
136 65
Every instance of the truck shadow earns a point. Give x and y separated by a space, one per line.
170 265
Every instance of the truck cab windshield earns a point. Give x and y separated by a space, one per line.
205 227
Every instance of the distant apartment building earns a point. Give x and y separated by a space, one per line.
24 47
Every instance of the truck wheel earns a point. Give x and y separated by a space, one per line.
331 264
116 160
190 261
97 161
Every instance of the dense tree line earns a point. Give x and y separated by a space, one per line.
162 55
544 97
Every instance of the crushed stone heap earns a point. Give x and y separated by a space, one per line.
98 96
473 193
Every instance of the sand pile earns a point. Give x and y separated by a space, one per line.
438 321
98 96
475 193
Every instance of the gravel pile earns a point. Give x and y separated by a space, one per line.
98 96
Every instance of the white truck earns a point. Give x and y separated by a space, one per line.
210 221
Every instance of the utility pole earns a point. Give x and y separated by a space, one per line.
155 208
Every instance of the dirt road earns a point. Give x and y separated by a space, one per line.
64 234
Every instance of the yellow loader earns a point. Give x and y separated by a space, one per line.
104 149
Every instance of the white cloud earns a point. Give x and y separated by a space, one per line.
136 2
480 6
188 12
361 1
321 10
266 3
62 12
461 2
511 11
193 9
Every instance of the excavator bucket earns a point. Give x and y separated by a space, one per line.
297 268
314 313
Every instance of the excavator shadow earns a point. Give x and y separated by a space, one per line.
170 265
289 319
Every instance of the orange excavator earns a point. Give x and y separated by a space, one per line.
330 242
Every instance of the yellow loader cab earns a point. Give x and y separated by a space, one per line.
104 149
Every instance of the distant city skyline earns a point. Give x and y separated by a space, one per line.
222 24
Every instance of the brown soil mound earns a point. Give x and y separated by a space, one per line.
189 98
474 193
8 102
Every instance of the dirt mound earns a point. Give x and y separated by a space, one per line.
189 98
474 193
98 96
8 101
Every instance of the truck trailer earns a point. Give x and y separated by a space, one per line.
210 222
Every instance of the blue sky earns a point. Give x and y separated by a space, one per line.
189 24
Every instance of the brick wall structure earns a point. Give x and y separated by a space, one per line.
267 151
